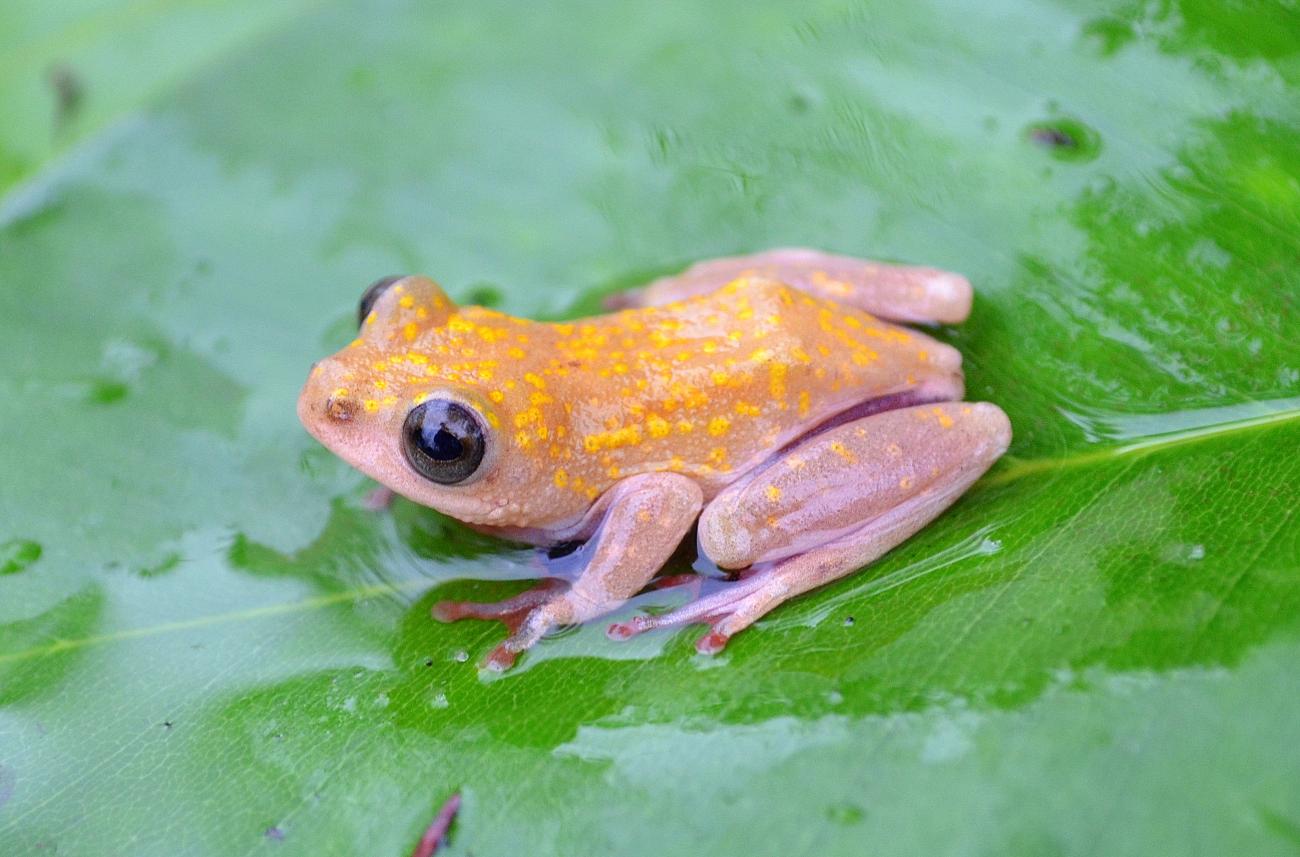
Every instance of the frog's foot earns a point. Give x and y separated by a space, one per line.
647 516
527 616
727 612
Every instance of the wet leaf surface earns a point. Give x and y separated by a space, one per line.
210 645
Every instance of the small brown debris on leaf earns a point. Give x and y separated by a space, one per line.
437 830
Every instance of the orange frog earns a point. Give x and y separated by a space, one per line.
763 396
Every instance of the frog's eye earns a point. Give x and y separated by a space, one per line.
371 294
443 441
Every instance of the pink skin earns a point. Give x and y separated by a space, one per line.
820 436
898 292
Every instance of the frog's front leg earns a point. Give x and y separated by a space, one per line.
833 504
646 518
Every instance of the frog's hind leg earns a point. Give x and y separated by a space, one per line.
833 504
896 292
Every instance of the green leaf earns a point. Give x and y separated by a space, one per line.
208 645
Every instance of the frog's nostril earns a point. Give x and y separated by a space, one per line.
340 409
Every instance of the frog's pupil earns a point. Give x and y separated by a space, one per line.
443 441
446 446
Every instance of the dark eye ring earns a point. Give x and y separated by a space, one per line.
443 441
370 295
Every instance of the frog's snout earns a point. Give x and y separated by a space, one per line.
324 401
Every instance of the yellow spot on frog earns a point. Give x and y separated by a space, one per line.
410 330
406 302
658 426
944 420
561 478
776 379
905 483
496 396
773 493
843 452
745 409
718 426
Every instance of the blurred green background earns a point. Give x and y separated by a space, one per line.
209 646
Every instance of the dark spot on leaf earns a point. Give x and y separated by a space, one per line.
105 392
68 92
17 554
483 294
1065 139
845 814
164 565
1048 136
848 621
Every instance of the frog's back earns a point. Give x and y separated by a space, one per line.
712 385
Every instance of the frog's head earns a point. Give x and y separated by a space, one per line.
416 403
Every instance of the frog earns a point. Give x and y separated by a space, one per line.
784 406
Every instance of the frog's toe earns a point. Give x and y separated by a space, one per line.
511 612
727 613
711 643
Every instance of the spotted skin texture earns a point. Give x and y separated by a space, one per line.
752 380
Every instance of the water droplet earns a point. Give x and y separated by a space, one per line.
1197 552
849 621
834 697
17 554
439 701
461 656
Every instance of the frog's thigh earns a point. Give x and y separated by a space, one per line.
898 292
873 482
